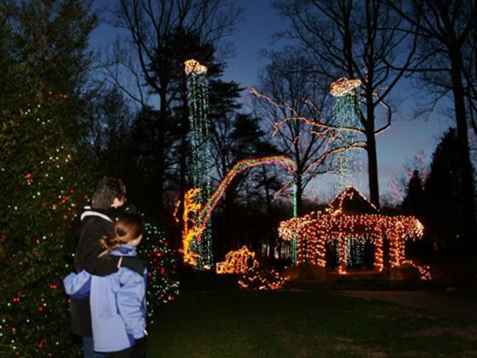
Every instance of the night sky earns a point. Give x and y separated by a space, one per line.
406 138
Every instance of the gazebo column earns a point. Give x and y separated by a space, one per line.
320 255
402 250
300 248
312 248
341 254
394 250
378 253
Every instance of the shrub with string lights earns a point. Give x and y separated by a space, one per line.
252 275
161 285
41 177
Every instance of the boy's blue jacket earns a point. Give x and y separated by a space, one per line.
118 304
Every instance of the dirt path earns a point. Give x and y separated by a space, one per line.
447 305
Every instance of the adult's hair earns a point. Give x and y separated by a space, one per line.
107 190
125 229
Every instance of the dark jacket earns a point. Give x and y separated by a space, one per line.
95 224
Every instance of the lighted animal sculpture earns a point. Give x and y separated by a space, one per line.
196 215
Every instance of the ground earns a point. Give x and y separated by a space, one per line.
313 322
445 303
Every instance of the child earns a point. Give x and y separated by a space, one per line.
117 301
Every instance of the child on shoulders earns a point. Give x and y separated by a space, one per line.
117 301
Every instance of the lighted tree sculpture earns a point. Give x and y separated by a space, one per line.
345 163
345 116
197 100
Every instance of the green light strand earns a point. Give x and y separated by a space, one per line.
345 163
197 97
295 214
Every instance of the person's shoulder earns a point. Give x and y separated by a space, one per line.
93 220
89 213
135 264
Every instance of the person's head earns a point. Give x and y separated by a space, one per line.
110 193
127 230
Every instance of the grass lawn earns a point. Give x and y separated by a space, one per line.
224 323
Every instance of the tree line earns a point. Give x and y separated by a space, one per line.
125 114
382 42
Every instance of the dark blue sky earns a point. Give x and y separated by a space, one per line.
396 147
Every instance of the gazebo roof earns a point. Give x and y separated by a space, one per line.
351 201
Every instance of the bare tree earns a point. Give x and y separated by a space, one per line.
290 97
359 40
444 29
470 76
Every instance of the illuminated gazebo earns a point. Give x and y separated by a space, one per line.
351 217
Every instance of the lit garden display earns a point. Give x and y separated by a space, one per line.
237 261
349 232
196 215
162 288
262 280
345 163
197 101
198 201
343 86
243 262
338 223
345 116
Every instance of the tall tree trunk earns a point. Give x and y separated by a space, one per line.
372 157
268 194
299 193
462 134
160 150
182 177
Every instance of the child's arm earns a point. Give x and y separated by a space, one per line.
77 285
132 302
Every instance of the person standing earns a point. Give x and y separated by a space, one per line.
118 301
96 223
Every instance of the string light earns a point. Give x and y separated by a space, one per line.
201 164
344 86
318 228
237 261
162 289
346 163
424 270
193 67
192 227
261 280
197 215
